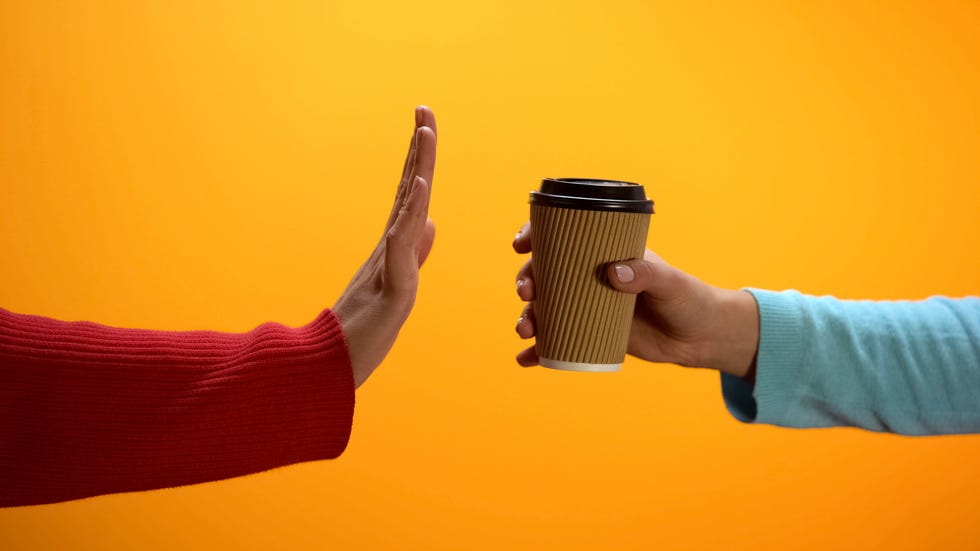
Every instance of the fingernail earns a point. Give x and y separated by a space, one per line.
624 273
518 236
520 320
418 116
520 283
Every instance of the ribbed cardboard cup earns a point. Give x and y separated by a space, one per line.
578 227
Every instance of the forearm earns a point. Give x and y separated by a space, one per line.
87 409
907 367
733 339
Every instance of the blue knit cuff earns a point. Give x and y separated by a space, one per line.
780 345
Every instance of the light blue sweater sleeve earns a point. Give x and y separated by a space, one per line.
905 367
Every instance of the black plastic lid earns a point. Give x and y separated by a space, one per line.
589 194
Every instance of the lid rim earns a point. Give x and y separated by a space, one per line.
592 194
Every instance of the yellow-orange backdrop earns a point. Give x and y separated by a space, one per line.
185 165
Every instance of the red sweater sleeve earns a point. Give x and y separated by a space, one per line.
87 409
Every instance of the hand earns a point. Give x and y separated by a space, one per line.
678 318
380 296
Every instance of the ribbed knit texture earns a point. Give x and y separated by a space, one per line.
87 409
893 366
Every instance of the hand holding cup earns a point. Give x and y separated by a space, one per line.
677 318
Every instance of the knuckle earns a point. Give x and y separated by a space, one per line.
645 271
395 238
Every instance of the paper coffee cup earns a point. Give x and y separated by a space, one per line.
578 227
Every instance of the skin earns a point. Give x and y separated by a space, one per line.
678 318
379 298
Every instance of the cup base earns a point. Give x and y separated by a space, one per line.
579 366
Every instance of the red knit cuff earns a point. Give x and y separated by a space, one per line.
337 382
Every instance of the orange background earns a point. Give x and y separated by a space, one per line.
189 165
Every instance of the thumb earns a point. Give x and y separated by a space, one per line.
649 274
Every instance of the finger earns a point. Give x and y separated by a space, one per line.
651 275
425 117
425 154
525 323
403 243
428 236
522 241
422 114
528 357
403 185
420 163
525 282
410 157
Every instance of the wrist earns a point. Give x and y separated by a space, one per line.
734 337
